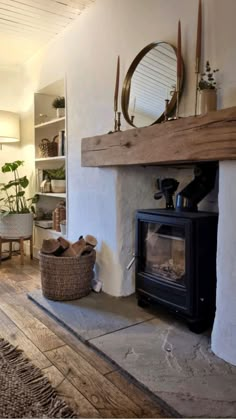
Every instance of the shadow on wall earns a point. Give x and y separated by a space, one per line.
107 270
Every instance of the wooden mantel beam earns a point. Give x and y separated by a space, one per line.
191 139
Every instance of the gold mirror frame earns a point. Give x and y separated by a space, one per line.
127 84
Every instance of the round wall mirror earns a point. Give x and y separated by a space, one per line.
151 78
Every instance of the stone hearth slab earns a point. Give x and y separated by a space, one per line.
176 365
94 315
156 349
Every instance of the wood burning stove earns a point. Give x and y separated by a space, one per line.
176 262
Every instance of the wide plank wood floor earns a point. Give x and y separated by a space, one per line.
93 386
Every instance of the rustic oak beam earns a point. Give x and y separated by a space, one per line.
191 139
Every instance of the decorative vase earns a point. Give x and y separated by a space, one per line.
60 112
58 215
208 100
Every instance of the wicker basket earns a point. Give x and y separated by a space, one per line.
66 278
48 148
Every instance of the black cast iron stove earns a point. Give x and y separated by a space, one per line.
176 253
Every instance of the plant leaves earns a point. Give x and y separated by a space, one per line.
20 193
11 167
23 181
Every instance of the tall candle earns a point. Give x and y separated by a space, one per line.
116 94
179 58
199 37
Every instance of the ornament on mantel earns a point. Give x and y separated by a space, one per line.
208 90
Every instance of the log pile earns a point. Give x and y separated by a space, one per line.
63 248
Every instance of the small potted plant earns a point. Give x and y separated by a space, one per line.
207 88
59 104
57 177
16 212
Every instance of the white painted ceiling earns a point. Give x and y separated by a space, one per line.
27 25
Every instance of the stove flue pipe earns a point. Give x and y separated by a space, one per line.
203 182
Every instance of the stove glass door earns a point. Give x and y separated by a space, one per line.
164 252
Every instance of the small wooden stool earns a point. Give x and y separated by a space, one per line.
19 240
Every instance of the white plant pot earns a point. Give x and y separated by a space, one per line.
14 226
58 186
60 112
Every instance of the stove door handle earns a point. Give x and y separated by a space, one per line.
131 262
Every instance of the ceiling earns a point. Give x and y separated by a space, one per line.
27 25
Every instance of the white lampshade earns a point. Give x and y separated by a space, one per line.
9 127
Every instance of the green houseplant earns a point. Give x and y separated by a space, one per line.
16 212
59 104
57 177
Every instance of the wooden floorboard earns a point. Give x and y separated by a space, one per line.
70 394
10 332
88 382
33 328
136 394
93 385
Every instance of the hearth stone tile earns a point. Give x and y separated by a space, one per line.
94 315
175 364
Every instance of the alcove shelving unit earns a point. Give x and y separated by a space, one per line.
47 125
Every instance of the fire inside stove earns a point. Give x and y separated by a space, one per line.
165 252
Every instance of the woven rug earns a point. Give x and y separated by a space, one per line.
24 391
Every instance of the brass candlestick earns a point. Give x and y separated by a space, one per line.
118 121
196 89
115 122
177 97
166 110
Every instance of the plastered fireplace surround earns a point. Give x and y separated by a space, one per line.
135 188
135 191
224 330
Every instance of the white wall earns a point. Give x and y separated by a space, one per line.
11 99
99 201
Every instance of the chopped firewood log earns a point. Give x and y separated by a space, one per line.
91 240
87 249
75 249
69 252
79 246
52 247
63 242
62 247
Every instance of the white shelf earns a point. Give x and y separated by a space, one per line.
53 194
56 233
56 158
47 128
50 231
52 121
